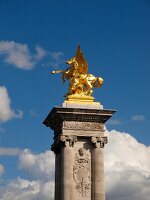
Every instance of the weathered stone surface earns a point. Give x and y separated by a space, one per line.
79 139
91 105
82 173
82 125
58 115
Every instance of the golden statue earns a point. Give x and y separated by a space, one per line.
80 82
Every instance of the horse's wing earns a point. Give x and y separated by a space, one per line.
83 66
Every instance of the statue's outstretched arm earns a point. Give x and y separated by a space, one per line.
57 71
60 71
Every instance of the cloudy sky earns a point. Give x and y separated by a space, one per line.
37 37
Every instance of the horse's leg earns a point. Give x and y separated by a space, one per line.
90 92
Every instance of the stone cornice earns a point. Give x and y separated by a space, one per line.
58 115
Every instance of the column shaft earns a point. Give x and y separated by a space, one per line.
98 187
67 173
58 176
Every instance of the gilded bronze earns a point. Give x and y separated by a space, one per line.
80 82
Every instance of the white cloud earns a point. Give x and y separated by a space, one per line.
40 165
10 151
41 168
6 112
21 189
19 55
127 172
138 118
2 169
40 53
127 168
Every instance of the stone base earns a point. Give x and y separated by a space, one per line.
82 104
78 98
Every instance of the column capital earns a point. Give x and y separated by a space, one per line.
64 140
99 141
71 139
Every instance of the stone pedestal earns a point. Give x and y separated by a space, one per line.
79 139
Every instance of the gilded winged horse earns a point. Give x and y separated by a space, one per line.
80 82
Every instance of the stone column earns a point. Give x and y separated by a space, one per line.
75 169
67 190
98 184
57 175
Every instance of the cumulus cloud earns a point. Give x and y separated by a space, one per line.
6 111
138 118
127 172
41 168
19 55
22 189
127 168
10 151
40 165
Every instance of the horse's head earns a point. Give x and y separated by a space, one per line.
72 61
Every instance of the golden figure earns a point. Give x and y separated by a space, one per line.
80 82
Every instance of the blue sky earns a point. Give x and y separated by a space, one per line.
37 37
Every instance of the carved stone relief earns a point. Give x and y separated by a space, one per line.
83 125
81 173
